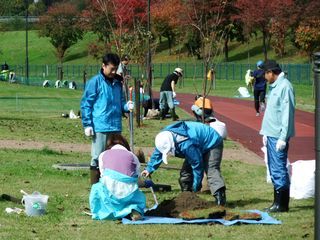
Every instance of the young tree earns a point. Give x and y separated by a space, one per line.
205 16
61 25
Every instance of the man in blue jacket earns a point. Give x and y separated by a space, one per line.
277 129
260 86
201 146
102 105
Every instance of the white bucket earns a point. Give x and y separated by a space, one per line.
35 204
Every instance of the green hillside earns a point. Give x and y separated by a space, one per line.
12 50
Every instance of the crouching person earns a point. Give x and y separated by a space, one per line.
117 195
201 146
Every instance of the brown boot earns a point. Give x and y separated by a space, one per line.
94 175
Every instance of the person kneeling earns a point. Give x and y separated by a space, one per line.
117 195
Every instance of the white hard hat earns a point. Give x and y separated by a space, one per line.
165 144
220 128
178 71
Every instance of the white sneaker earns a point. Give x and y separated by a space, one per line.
257 114
263 107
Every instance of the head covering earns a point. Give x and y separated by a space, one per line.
164 143
270 65
178 71
259 63
219 126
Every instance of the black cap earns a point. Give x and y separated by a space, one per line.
270 65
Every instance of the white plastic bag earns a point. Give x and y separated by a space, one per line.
243 92
303 179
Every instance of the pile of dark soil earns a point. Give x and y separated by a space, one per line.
185 201
188 205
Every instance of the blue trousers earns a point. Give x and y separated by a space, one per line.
277 162
166 99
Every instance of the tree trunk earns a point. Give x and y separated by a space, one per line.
264 43
169 44
226 49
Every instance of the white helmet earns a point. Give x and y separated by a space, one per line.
179 71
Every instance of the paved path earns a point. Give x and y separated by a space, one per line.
244 126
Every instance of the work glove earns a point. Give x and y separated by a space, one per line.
88 131
174 94
148 183
130 105
264 140
145 173
280 145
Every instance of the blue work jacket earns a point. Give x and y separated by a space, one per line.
192 141
102 104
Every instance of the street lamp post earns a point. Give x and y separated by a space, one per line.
27 51
316 70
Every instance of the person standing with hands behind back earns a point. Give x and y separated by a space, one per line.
102 105
277 129
167 93
260 86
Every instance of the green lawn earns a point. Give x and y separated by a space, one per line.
33 113
68 198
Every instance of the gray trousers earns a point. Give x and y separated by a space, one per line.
211 162
98 145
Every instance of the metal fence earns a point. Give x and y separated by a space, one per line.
297 73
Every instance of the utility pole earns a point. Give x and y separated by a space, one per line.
316 70
149 71
27 53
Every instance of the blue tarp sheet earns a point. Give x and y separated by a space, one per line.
265 219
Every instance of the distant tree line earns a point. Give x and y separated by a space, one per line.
196 27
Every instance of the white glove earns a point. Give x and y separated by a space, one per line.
174 94
145 173
280 145
88 131
264 140
130 105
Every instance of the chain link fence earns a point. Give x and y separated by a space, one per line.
79 74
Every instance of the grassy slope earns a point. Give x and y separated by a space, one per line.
13 51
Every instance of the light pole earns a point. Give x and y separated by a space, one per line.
316 70
27 52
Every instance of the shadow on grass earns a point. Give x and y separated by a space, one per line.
244 55
76 56
242 203
300 208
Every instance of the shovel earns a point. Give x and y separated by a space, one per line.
131 123
153 194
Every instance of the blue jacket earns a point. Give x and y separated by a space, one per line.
102 104
260 82
192 141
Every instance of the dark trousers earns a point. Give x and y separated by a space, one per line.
259 96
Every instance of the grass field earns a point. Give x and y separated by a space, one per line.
33 114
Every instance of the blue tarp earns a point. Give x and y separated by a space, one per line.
265 219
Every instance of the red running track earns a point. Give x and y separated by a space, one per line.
243 125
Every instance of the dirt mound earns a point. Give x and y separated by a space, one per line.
188 205
185 201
